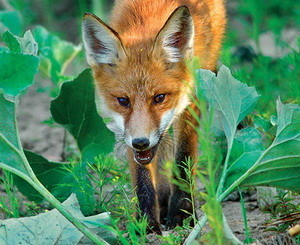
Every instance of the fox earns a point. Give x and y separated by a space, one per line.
144 87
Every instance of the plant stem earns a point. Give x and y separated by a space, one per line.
229 234
224 172
244 176
244 214
196 230
69 216
36 184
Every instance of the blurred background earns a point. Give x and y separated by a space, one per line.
247 18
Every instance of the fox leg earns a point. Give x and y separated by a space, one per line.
186 147
144 183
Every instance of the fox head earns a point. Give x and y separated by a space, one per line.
141 86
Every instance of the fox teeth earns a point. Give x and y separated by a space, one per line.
143 159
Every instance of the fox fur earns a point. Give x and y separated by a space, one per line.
144 86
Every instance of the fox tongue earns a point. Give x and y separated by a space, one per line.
144 157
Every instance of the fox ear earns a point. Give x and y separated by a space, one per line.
177 36
102 44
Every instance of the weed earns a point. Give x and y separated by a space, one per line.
248 235
10 205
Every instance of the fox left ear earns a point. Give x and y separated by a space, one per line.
177 36
102 43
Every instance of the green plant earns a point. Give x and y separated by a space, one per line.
248 235
11 206
247 162
284 212
12 155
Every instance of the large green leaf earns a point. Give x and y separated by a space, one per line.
55 53
10 20
75 110
11 153
17 72
13 159
247 148
230 99
53 228
279 164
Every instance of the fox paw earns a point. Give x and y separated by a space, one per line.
176 220
180 201
154 227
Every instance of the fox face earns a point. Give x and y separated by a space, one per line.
142 85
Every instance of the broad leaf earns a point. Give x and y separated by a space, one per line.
75 110
11 21
17 72
247 148
279 165
230 99
55 53
53 228
11 153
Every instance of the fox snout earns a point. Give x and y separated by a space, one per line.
143 148
140 143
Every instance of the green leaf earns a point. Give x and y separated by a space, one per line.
53 228
24 45
11 20
13 159
11 153
75 110
55 53
61 179
52 175
247 148
17 72
277 166
11 42
260 122
230 99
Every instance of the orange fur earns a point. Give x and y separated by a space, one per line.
138 22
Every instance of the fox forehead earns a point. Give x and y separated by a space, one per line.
140 73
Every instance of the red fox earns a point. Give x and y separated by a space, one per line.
144 86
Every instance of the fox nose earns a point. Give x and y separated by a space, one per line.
140 143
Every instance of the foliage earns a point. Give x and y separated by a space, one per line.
13 231
264 152
75 110
9 206
55 54
284 213
10 20
247 162
12 156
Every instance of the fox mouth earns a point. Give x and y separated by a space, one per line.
145 157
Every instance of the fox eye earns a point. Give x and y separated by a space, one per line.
159 98
124 101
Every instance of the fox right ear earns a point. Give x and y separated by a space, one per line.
102 44
177 35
